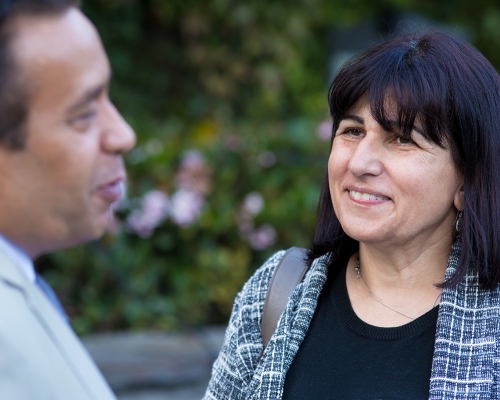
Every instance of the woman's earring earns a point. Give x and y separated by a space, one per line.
458 222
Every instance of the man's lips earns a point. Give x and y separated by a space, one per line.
111 191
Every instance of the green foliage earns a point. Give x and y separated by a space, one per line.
244 83
187 276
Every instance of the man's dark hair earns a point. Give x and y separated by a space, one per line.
13 93
454 92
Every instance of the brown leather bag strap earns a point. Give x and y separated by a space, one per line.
287 275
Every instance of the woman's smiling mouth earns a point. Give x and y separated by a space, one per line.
366 196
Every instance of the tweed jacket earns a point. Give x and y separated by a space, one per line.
466 353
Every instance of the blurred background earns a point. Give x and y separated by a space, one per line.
228 100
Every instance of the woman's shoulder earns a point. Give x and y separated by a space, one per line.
255 288
243 342
235 367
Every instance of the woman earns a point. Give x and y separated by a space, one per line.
401 299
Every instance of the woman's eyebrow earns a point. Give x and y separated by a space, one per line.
414 128
354 118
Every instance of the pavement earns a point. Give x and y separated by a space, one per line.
154 365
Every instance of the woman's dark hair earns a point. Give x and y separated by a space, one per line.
455 94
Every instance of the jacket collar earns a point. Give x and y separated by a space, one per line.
465 349
22 260
11 273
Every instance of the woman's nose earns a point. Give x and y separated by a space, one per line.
366 158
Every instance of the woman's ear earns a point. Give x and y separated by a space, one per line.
458 201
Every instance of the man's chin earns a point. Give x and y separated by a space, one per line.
107 223
94 230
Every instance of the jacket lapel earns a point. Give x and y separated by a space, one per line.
269 377
62 336
465 347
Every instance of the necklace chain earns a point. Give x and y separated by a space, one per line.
358 270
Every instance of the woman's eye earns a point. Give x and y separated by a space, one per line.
353 132
404 140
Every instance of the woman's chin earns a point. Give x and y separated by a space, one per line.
366 231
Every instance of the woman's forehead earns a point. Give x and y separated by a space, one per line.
389 109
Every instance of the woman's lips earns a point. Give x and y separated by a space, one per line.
365 196
111 191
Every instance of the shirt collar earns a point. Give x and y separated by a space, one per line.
19 257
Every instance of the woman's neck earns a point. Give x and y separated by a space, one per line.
403 278
405 266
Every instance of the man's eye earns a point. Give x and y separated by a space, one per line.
82 122
85 116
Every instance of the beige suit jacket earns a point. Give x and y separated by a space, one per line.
41 358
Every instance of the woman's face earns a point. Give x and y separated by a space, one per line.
388 189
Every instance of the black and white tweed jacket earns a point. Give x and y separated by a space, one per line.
466 353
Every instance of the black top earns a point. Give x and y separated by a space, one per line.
343 357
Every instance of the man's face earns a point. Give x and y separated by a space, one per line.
57 192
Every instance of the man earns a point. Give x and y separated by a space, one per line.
61 168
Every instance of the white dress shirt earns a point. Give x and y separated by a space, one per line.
20 258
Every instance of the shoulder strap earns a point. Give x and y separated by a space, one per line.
287 275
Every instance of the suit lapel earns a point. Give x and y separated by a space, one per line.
62 336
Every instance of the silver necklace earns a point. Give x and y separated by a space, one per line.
358 270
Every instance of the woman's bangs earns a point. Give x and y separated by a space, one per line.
402 90
402 101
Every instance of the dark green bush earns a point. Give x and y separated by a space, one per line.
243 85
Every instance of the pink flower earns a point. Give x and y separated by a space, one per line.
186 207
192 159
262 237
155 207
253 203
194 174
324 131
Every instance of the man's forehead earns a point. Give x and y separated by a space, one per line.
61 52
52 36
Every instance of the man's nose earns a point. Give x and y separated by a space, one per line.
118 136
